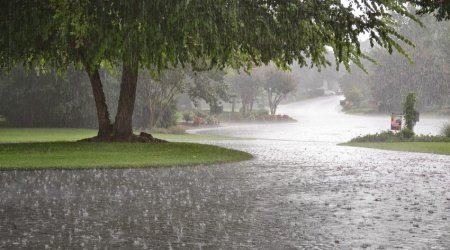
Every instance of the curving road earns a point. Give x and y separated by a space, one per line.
301 191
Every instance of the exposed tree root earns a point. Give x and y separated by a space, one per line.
142 138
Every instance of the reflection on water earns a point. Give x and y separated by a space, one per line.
300 191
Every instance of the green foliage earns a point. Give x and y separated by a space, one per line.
393 76
409 111
385 136
168 117
247 87
194 32
208 86
277 84
47 100
445 130
355 96
254 116
406 133
441 9
205 34
201 113
187 116
157 97
402 136
421 147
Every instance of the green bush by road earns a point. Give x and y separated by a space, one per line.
423 147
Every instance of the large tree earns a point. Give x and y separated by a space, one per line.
158 34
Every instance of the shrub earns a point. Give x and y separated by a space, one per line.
252 117
431 138
260 112
406 133
445 130
355 96
201 114
199 121
385 136
211 120
187 116
168 117
403 135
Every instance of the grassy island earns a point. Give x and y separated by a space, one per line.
27 149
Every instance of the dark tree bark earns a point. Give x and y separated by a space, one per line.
123 125
104 122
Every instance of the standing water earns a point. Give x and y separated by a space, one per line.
300 191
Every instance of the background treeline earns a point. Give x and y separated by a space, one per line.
48 99
387 83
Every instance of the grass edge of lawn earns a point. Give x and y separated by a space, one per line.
411 147
24 135
232 155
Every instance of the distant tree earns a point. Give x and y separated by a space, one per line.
428 76
355 95
440 8
158 95
209 86
393 76
247 87
168 117
138 34
277 84
354 87
47 99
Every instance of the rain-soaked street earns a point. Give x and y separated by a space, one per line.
300 191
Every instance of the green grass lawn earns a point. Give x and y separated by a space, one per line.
8 135
26 149
422 147
359 111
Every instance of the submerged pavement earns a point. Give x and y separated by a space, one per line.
300 191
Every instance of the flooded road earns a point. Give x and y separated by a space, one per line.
301 191
321 120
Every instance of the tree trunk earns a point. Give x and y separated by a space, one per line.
269 95
232 105
243 105
104 123
123 125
